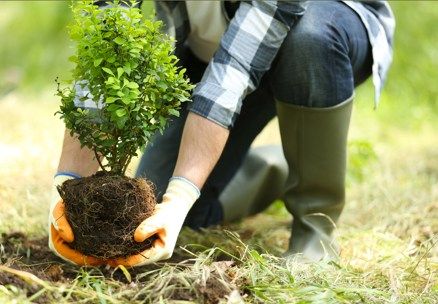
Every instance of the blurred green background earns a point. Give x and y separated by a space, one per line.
35 47
35 44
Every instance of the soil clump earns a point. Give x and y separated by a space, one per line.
104 210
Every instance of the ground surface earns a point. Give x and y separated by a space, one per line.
387 233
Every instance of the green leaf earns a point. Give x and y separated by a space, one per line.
113 107
121 112
97 62
119 40
162 121
134 94
132 85
73 59
110 80
162 85
121 123
174 112
111 99
108 71
126 100
109 142
120 72
127 68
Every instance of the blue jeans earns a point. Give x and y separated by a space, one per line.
325 55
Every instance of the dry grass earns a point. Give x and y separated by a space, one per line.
388 231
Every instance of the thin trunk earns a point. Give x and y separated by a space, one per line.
98 161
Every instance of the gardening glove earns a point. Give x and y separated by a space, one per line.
165 223
60 232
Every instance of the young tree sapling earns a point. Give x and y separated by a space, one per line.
131 75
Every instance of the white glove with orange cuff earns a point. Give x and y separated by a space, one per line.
165 223
60 232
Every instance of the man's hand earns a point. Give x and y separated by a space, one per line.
165 223
60 232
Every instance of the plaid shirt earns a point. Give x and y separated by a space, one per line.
251 42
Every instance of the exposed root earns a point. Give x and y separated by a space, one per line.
104 210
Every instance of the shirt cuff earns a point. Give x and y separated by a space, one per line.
222 109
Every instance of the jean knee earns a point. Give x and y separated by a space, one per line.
313 67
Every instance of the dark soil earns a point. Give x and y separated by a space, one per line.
104 211
34 256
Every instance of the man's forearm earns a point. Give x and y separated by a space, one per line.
202 144
76 159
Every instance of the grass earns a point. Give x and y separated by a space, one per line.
388 231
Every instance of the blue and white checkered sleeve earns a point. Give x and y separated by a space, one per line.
246 52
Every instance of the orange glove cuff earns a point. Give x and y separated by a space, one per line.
72 255
64 228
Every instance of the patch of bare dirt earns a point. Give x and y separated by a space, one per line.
35 257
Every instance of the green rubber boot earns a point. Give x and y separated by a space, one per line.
258 182
314 144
